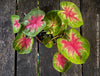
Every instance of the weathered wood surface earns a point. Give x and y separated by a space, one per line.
45 54
45 61
27 64
75 70
7 54
89 31
12 64
98 39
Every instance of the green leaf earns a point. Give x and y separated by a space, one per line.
33 22
70 14
53 23
15 23
60 63
75 48
48 42
23 44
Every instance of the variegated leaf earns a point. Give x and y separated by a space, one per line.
75 48
15 23
33 22
23 44
60 63
53 23
70 14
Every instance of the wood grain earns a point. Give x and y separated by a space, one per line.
7 53
89 31
75 70
45 54
45 61
27 63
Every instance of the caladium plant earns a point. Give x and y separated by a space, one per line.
23 44
33 23
60 63
15 23
52 28
70 14
53 23
75 48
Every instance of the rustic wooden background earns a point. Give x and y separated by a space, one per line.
13 64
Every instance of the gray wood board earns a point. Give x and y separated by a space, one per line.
89 31
27 63
7 53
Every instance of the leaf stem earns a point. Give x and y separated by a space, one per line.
54 37
38 39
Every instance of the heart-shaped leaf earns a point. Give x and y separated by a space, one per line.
53 23
15 23
60 63
75 48
33 22
23 44
70 14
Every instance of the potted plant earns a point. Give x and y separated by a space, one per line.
51 29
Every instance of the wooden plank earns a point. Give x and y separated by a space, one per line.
98 38
45 61
89 31
49 5
45 54
75 70
27 63
7 53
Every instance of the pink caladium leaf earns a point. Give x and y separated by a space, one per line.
60 63
75 48
70 14
33 22
23 44
53 23
15 23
